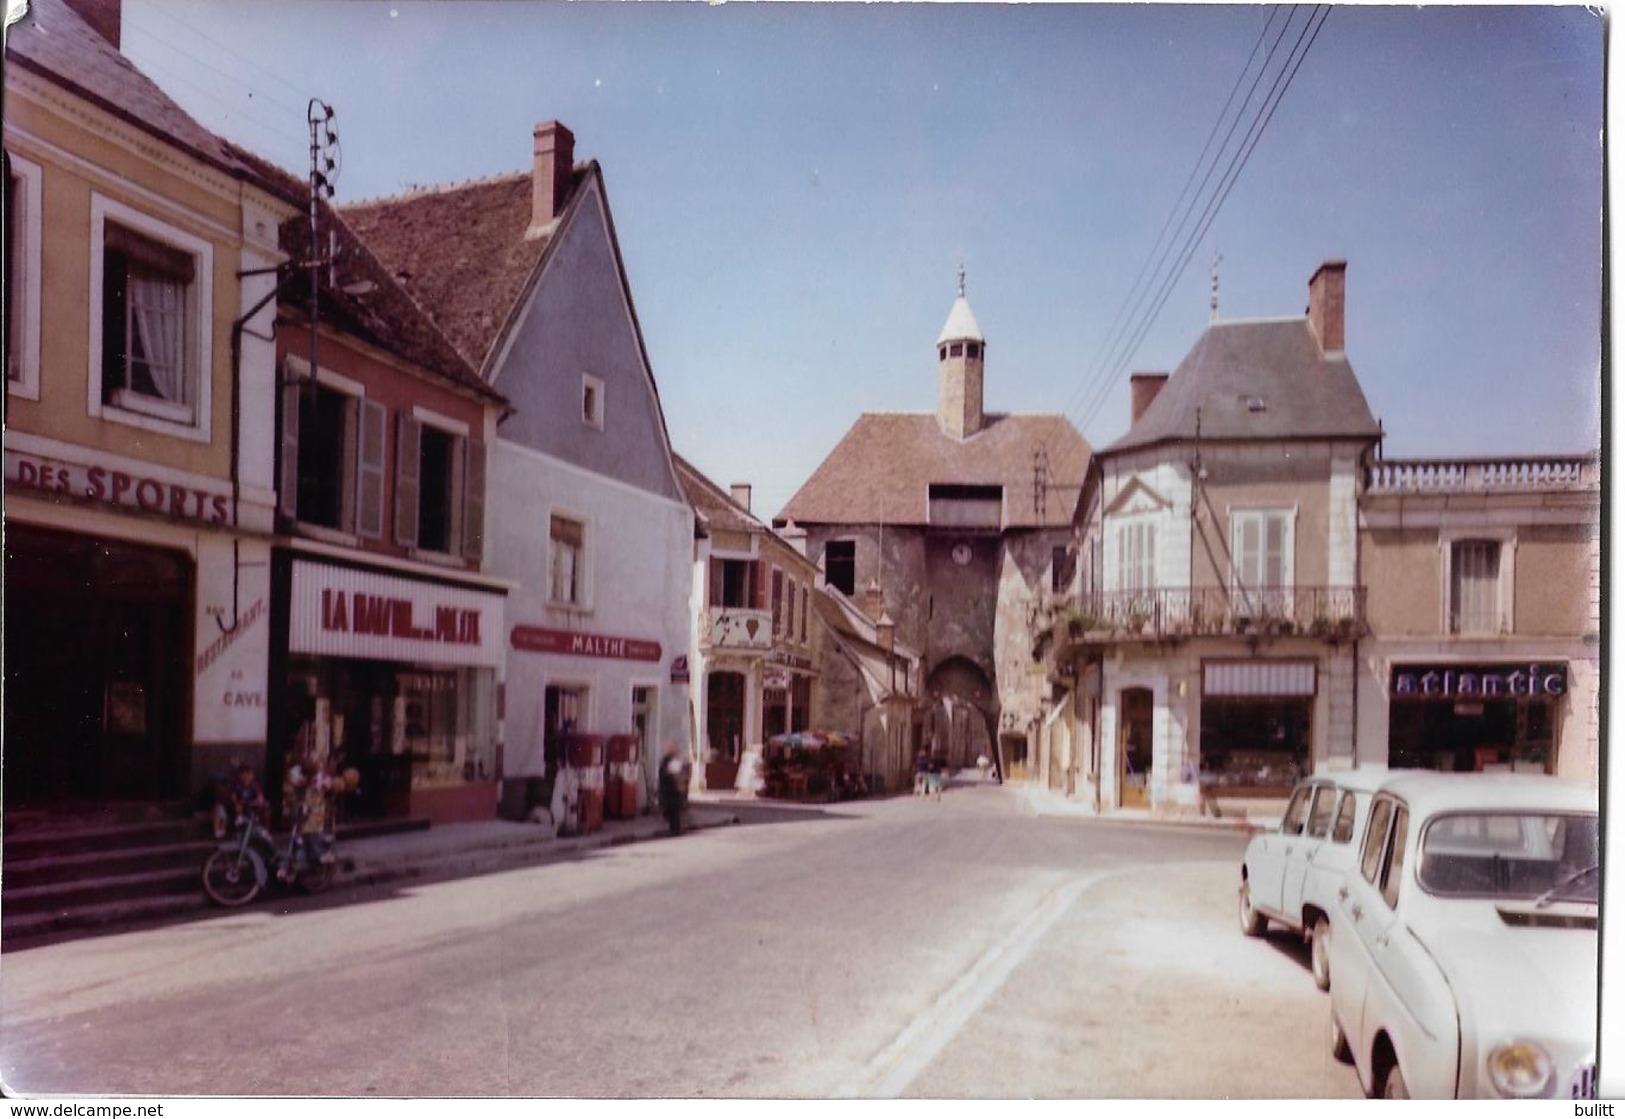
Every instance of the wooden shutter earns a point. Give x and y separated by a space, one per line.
474 501
717 579
287 498
369 499
408 466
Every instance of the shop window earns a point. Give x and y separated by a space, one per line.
1475 586
439 487
592 402
22 278
567 560
800 703
1261 567
150 338
841 565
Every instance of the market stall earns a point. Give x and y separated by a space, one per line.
811 765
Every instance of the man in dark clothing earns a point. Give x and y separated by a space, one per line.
673 787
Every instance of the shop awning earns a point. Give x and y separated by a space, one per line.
1259 679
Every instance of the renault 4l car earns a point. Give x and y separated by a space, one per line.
1464 944
1290 874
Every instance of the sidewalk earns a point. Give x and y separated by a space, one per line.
452 850
1046 802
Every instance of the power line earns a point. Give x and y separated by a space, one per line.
1277 92
299 95
1127 333
212 96
1082 391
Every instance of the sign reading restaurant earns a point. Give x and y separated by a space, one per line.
1478 681
575 643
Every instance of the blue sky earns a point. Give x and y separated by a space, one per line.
795 187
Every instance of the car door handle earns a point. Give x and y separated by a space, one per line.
1356 911
1381 941
1342 893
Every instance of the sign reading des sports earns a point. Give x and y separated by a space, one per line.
1478 681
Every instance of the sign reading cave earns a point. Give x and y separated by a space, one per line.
1452 682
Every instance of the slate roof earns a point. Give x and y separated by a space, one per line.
461 251
51 40
1305 394
881 470
386 316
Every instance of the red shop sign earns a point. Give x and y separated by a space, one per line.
537 639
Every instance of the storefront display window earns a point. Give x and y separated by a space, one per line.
1254 745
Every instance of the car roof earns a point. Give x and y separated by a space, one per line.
1359 780
1427 792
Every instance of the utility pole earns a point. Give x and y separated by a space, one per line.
324 169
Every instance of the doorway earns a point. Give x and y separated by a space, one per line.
1134 748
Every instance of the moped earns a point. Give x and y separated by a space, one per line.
242 865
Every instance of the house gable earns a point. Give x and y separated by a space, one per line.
1137 497
576 332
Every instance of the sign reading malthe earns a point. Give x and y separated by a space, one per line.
575 643
343 612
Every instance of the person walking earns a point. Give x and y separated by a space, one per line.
922 770
673 787
933 777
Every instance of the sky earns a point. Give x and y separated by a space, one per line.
796 186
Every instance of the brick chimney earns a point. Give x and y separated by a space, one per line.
874 600
1326 305
104 17
740 492
1144 388
554 163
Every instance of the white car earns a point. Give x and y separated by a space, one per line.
1290 875
1464 947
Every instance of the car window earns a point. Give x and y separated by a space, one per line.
1343 829
1394 867
1376 830
1292 822
1320 812
1506 854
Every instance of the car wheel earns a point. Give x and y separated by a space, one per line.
1252 921
1393 1085
1319 966
1340 1043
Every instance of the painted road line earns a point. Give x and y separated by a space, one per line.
897 1066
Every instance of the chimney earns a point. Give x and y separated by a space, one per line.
555 153
886 633
740 492
1326 305
874 600
104 17
1144 388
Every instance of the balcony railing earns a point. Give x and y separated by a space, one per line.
1167 613
736 627
1530 473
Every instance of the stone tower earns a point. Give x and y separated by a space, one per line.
960 350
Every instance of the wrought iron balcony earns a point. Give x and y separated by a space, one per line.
1172 613
736 627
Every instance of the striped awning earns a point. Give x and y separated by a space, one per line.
1259 678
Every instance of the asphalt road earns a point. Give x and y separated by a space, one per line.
956 949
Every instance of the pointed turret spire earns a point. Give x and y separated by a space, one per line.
960 350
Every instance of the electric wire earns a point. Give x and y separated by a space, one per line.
151 65
1278 89
299 95
1126 335
1085 383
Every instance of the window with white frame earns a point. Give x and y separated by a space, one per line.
1475 586
567 561
151 302
22 279
1261 560
1136 555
